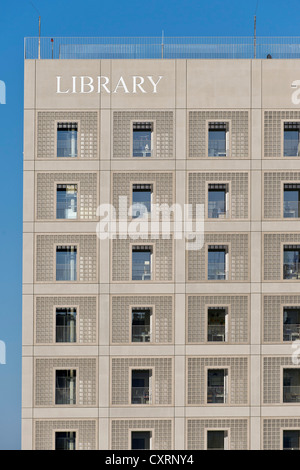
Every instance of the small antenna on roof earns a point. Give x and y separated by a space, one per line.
254 36
39 51
39 37
255 29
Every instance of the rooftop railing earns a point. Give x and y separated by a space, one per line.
162 48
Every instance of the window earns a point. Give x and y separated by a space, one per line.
67 139
66 263
291 265
218 201
141 440
141 199
217 440
141 387
142 139
291 199
217 385
291 385
218 139
66 325
217 324
65 440
142 263
291 439
66 201
65 388
291 139
141 325
291 323
217 263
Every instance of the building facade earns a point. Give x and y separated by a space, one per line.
133 343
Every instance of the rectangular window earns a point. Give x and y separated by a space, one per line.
66 263
141 387
141 325
218 139
291 439
142 263
217 385
217 440
67 139
291 146
65 389
291 264
141 440
217 324
65 440
141 199
291 385
66 201
218 201
66 325
291 199
217 263
142 139
291 323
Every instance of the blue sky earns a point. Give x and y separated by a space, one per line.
18 19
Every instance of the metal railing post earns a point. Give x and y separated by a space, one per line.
39 56
255 37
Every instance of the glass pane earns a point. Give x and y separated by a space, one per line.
141 265
140 440
65 392
140 391
291 440
291 324
216 265
141 325
65 440
215 440
291 203
140 378
65 325
217 143
291 264
216 386
66 143
291 143
141 202
66 264
66 202
142 143
216 203
216 324
291 385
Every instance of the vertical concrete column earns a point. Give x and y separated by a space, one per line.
180 258
28 253
104 267
104 381
256 255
